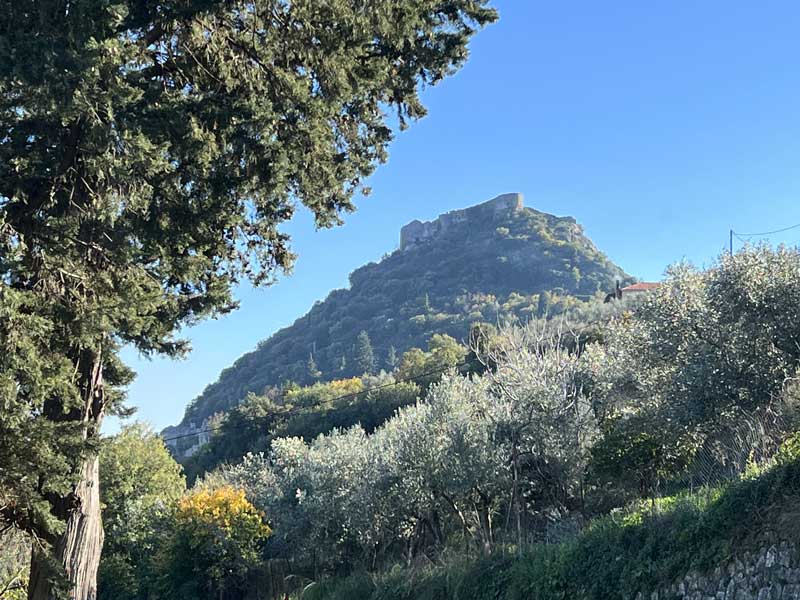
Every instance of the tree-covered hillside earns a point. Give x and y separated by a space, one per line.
477 265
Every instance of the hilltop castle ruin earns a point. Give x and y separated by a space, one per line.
417 232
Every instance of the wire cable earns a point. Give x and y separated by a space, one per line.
291 411
745 238
737 234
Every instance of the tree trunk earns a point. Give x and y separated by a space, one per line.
71 570
482 511
515 496
77 551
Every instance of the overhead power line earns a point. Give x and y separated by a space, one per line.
291 411
741 236
767 232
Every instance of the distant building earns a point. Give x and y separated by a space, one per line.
186 440
642 286
633 289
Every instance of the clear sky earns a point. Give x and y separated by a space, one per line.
658 126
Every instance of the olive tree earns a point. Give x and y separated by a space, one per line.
446 456
699 374
544 421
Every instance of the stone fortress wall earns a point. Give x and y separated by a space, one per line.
418 232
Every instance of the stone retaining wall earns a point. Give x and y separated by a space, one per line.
773 573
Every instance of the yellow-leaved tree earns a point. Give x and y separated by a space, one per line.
217 540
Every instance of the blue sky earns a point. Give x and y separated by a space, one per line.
659 126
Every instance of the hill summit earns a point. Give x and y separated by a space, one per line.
418 232
476 264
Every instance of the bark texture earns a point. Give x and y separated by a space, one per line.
76 553
78 549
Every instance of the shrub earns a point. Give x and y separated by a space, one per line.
216 542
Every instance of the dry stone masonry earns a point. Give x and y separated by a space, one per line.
772 573
418 232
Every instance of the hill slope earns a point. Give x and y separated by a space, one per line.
467 266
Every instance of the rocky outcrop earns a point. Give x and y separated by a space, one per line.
772 573
417 232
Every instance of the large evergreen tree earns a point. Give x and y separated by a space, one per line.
364 354
149 152
311 368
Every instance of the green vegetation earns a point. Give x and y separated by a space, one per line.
545 460
14 561
549 459
616 557
214 544
307 412
149 153
141 482
364 355
164 542
526 469
537 265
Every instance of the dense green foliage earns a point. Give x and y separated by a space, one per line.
141 483
163 542
149 152
618 556
706 370
14 560
437 470
553 465
488 267
215 541
307 412
37 455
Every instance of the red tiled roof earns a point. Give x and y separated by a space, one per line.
642 286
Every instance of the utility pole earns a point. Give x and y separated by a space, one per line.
731 242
